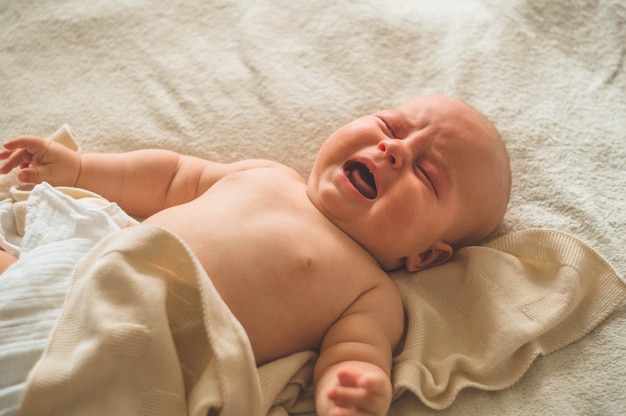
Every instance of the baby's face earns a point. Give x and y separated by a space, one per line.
410 180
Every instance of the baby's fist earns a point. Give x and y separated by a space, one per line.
360 393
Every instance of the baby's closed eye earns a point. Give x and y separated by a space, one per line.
391 131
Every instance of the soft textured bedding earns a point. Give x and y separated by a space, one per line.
272 79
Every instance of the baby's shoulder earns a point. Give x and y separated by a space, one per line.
380 310
247 164
384 294
264 165
382 297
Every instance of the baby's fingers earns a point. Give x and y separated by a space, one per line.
31 143
20 151
29 175
14 158
362 395
358 400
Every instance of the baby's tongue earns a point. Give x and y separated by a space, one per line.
363 180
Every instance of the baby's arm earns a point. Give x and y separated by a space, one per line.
142 182
352 375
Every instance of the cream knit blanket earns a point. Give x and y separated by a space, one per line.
143 331
481 319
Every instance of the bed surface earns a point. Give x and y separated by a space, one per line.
272 79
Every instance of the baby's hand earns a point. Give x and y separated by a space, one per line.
360 393
40 160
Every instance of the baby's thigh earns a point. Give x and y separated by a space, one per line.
6 260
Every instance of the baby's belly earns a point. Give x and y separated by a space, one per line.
273 285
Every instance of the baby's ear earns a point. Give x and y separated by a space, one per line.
439 253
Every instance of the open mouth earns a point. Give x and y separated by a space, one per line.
362 179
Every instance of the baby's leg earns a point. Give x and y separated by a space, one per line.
6 260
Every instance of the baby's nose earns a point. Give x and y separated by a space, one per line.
392 151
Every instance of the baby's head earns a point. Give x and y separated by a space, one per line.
414 183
